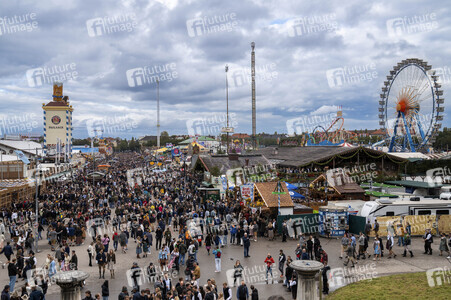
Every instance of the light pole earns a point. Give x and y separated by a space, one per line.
36 225
227 101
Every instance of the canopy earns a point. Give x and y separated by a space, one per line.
295 195
162 150
199 145
345 145
291 186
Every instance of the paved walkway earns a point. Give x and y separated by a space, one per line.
255 264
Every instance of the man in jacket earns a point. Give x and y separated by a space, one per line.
282 259
35 294
12 273
241 292
5 293
246 244
8 251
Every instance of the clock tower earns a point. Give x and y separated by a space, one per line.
58 124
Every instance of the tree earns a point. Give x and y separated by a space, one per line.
164 134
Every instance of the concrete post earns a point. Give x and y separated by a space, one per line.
308 279
70 283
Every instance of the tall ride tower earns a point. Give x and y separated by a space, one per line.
254 136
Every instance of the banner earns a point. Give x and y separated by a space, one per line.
247 192
22 157
224 182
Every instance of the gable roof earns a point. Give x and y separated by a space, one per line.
265 190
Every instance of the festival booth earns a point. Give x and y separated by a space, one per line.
333 219
264 197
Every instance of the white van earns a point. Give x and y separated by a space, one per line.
445 192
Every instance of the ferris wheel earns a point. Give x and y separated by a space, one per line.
411 106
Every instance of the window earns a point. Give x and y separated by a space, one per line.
390 213
442 212
424 212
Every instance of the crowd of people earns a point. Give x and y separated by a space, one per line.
141 211
163 213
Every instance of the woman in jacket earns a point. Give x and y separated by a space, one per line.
238 272
208 242
443 245
105 289
111 261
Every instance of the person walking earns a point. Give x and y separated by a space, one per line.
254 293
344 245
217 253
74 261
5 293
406 243
226 291
101 261
246 244
8 251
237 273
12 273
377 249
242 292
376 227
111 261
443 245
105 289
282 259
428 240
90 253
269 261
362 240
389 245
208 242
350 255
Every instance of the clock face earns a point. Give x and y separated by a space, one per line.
56 120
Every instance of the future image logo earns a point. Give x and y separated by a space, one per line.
48 75
399 27
211 125
151 74
339 277
111 24
438 276
350 75
211 24
312 24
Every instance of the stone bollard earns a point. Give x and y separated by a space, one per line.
308 279
70 283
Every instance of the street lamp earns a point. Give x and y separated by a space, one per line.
36 225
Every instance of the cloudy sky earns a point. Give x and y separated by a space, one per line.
311 57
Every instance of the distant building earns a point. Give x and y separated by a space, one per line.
58 123
240 136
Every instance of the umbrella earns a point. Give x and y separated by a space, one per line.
295 195
291 186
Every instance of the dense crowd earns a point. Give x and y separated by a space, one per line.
156 209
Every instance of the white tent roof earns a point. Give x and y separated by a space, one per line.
25 146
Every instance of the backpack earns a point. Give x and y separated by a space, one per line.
218 254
